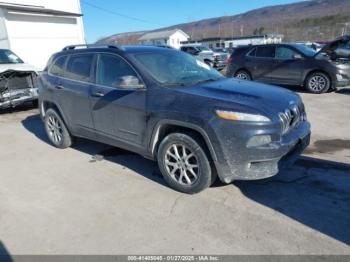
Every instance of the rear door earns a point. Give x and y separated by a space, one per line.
288 66
72 92
259 62
118 101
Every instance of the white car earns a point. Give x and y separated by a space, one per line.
17 80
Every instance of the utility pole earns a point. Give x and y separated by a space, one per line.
233 26
345 28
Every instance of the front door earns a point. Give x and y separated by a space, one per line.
118 101
287 67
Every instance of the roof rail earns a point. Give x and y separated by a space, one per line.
72 47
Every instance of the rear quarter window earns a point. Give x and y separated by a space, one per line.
265 52
57 68
240 51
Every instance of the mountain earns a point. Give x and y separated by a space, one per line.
313 20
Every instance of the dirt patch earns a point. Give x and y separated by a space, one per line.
110 152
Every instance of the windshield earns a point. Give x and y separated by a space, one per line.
305 50
176 68
202 48
7 57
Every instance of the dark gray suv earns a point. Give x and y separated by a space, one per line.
293 64
167 106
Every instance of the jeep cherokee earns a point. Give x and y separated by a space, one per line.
169 107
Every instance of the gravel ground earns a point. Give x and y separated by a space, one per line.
94 199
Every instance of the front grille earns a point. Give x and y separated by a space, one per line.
292 117
222 57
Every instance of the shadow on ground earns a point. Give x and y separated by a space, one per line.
102 152
4 254
314 192
344 91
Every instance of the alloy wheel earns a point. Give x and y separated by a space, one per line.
242 76
317 83
182 164
55 129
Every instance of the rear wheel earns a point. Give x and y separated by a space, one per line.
56 130
318 83
184 164
243 75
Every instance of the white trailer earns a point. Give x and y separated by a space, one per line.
35 29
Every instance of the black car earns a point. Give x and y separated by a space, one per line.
292 64
169 107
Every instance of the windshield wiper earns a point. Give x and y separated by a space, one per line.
207 80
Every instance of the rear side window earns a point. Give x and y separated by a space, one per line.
57 68
79 67
239 51
265 52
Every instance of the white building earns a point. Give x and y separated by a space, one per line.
254 40
35 29
171 38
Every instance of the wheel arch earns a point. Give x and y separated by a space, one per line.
45 105
165 128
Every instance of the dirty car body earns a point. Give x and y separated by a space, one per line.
246 129
17 81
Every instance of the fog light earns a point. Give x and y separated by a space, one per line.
256 141
341 77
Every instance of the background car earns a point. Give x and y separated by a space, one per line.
292 64
217 60
17 80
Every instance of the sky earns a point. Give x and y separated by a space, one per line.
107 17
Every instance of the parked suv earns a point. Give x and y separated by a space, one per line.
215 59
293 64
167 106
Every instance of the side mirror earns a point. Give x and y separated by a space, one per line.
298 56
130 82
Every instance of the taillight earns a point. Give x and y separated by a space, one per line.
230 60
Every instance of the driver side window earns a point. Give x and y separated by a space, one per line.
285 53
113 71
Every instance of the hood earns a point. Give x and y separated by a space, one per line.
207 52
266 99
17 67
332 46
220 53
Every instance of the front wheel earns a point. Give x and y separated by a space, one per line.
184 164
318 83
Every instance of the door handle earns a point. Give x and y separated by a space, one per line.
59 87
98 94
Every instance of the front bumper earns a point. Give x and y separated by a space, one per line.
237 161
342 81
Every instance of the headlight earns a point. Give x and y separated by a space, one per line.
237 116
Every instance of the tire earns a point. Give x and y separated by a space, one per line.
56 130
318 83
183 172
243 75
